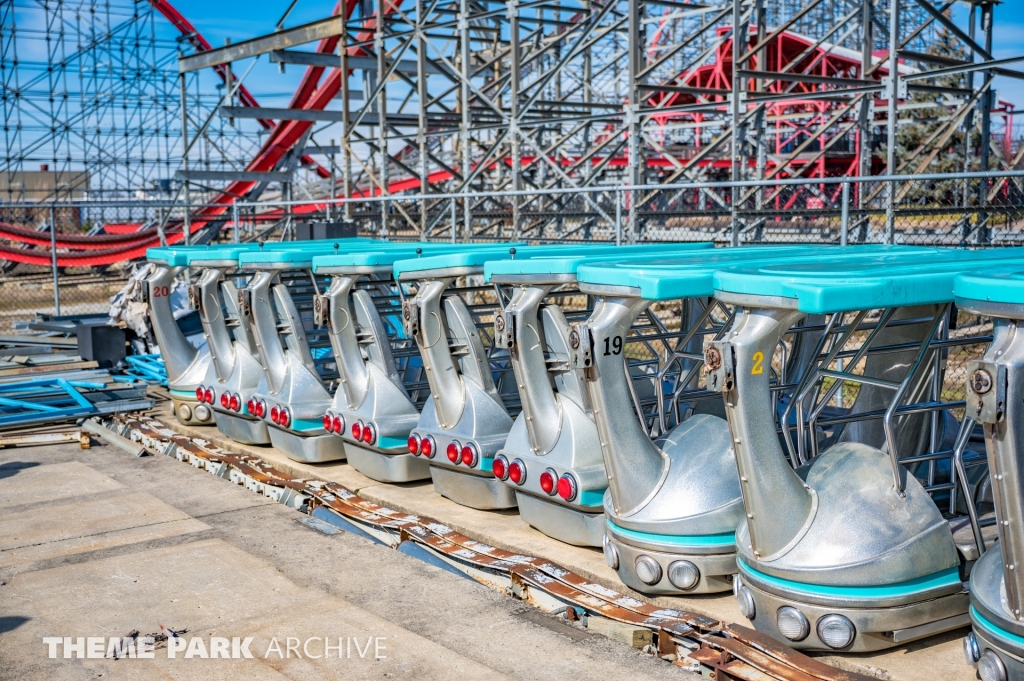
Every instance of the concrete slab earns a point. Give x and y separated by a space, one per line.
24 482
70 528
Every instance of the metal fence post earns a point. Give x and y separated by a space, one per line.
618 217
844 228
53 259
453 219
234 218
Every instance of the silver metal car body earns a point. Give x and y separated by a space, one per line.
833 537
372 390
995 399
186 364
293 380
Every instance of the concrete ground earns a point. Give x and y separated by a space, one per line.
96 543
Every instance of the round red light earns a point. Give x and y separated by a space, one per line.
453 452
225 401
200 394
517 472
357 430
274 414
250 406
469 455
414 445
548 481
427 447
208 395
327 422
236 403
567 487
500 467
369 434
338 425
261 408
285 417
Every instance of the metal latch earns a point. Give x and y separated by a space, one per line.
718 366
411 318
321 310
244 302
504 330
986 391
581 346
195 297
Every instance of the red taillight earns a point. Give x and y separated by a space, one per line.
327 422
517 472
225 400
548 481
414 445
261 408
357 430
200 393
338 425
274 414
469 456
453 452
208 396
285 417
250 406
500 467
236 403
369 434
567 487
427 447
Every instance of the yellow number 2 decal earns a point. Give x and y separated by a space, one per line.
758 364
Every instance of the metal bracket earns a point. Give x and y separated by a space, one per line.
321 310
718 365
901 87
195 297
504 330
986 386
581 346
411 318
244 302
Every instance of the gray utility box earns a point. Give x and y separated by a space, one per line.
101 343
320 231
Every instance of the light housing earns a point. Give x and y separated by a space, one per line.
357 431
567 487
683 574
549 481
428 447
250 406
517 472
201 393
338 425
611 555
972 651
648 570
327 422
500 467
261 408
836 631
452 451
208 396
414 444
235 403
369 434
991 668
225 401
792 623
745 601
275 414
469 455
286 418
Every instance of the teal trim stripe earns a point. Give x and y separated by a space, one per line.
591 497
994 630
183 393
384 442
305 425
948 577
726 539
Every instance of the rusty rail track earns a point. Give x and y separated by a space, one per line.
721 650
